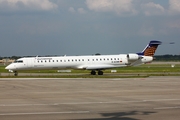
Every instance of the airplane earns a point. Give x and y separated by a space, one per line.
89 62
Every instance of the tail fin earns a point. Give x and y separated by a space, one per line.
150 49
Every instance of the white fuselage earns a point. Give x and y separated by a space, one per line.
96 62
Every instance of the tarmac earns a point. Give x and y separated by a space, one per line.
153 98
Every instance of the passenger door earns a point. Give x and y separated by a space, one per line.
30 62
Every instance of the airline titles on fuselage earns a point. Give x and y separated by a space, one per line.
111 59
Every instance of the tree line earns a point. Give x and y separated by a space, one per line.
167 58
156 57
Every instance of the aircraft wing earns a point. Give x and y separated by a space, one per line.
136 63
97 67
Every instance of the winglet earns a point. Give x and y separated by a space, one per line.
150 49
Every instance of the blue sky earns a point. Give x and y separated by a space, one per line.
85 27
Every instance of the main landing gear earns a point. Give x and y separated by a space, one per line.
93 72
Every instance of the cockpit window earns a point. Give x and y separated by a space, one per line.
18 61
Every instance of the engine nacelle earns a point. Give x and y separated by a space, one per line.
132 56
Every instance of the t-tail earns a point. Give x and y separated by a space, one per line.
150 49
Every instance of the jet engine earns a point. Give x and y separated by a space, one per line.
132 56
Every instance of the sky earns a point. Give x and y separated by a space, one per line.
86 27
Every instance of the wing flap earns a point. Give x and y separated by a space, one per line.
95 67
99 67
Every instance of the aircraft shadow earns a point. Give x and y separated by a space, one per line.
120 115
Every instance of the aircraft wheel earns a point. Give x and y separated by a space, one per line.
100 72
93 72
15 73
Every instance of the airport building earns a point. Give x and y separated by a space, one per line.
7 60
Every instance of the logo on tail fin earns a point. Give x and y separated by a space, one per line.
150 48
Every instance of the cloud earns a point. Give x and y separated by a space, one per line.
174 6
81 11
28 5
72 10
173 26
169 27
120 7
152 9
146 30
130 7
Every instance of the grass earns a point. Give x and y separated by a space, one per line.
139 71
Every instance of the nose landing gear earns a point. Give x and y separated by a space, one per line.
15 73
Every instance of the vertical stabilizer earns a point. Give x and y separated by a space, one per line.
150 49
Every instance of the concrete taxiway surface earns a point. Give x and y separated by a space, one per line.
151 98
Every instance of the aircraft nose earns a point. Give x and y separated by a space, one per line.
9 67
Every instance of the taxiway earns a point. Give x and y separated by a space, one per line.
152 98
